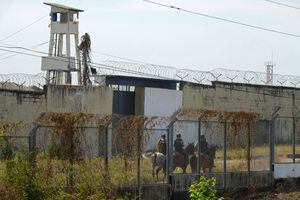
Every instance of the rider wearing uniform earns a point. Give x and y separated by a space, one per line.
179 144
203 144
162 145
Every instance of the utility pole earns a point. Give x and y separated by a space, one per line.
85 49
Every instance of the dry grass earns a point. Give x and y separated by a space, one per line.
55 172
7 191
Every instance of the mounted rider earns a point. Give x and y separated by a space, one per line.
203 145
162 145
179 144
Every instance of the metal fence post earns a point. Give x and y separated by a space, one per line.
225 154
171 150
249 153
294 138
100 151
272 137
271 149
199 145
272 146
32 143
168 153
106 155
139 164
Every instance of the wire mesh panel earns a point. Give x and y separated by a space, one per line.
212 144
70 159
153 156
260 146
123 162
237 147
297 139
90 140
9 147
283 134
185 137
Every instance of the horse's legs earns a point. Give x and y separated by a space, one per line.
153 175
157 171
184 169
184 166
185 162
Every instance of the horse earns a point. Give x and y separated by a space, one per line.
206 160
158 161
182 161
190 149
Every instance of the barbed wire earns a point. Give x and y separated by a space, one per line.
164 72
202 77
21 80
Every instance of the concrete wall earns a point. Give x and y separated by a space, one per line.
95 100
26 106
241 97
21 105
156 101
139 101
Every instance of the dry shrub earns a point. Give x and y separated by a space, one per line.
127 132
67 128
11 127
220 115
288 185
8 191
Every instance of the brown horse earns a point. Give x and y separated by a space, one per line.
206 160
182 161
158 161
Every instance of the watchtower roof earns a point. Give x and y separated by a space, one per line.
63 7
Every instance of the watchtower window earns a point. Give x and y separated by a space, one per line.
54 17
64 17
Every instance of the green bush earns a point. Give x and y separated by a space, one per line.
22 176
204 189
7 150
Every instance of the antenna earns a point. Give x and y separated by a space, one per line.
269 71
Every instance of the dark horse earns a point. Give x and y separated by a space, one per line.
182 161
206 160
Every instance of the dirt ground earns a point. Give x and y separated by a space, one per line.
289 189
270 195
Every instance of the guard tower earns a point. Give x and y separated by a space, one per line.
59 63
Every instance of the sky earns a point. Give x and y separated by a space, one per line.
138 30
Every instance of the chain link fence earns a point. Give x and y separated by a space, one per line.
122 154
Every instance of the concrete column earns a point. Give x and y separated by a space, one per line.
78 60
50 53
68 47
60 48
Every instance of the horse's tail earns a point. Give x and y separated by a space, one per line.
147 155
